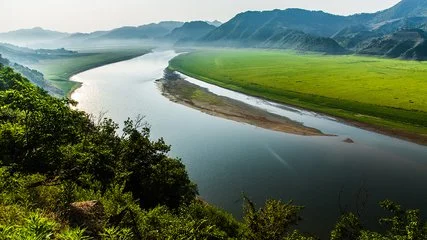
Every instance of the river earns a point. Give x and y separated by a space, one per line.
227 158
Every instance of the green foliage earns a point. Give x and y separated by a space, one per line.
274 221
200 210
347 227
403 224
161 223
36 227
52 156
73 234
115 233
41 134
399 225
154 178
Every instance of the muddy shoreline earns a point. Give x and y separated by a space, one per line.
183 92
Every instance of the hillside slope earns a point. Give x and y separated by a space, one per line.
404 9
190 31
406 44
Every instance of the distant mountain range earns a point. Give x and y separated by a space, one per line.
397 32
170 31
153 30
319 31
33 34
27 55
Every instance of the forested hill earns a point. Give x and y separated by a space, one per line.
34 76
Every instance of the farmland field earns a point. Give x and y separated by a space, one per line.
390 94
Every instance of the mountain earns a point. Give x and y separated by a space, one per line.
247 25
36 33
190 31
149 31
358 36
30 36
298 40
406 44
28 55
215 23
291 28
83 36
404 9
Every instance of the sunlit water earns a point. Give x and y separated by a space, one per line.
227 158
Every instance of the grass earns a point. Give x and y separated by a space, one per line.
59 71
391 94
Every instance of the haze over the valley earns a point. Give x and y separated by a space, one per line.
87 16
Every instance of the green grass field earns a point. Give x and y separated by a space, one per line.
58 71
388 93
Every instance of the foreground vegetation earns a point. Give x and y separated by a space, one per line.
389 94
65 176
59 70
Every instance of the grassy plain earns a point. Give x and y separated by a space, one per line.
58 71
388 94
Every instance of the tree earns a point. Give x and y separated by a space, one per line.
272 222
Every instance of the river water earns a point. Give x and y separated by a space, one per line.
227 158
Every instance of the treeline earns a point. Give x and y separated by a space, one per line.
64 175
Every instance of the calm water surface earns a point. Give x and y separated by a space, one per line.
226 158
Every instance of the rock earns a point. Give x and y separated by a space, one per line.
348 140
89 215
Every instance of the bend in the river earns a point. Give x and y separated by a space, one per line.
226 158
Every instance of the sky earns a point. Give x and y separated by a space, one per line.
92 15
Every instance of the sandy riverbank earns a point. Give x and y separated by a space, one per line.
178 90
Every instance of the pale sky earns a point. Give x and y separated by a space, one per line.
91 15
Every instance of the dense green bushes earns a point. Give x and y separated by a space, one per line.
57 166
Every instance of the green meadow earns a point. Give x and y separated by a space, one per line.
59 70
391 94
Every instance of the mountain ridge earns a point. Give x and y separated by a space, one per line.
290 28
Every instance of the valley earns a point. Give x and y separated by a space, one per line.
152 120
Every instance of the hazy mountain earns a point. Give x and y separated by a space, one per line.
84 36
30 36
404 9
252 24
190 31
149 31
407 44
27 55
293 39
215 23
358 36
286 28
291 28
36 33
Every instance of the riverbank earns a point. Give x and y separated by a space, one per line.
183 92
336 86
59 71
